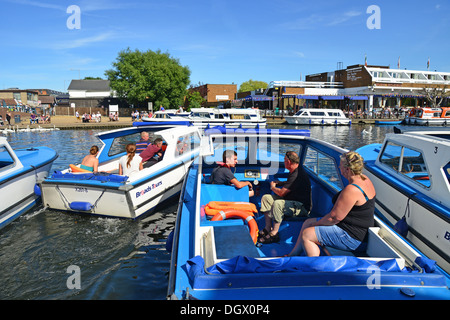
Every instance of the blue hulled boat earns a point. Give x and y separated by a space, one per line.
214 260
20 171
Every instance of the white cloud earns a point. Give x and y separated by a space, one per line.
82 42
316 20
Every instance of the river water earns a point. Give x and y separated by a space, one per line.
117 259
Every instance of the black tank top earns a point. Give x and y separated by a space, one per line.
359 219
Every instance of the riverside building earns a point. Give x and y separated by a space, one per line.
358 88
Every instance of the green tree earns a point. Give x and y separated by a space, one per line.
141 77
252 85
195 99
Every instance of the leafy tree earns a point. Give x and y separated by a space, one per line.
141 77
195 99
252 85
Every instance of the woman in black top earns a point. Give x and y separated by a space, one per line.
345 227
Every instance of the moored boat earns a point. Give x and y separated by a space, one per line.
20 170
107 193
429 116
411 173
213 259
318 117
210 117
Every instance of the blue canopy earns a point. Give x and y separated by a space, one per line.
358 98
332 97
308 97
256 97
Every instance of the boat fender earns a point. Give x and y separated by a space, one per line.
251 222
37 190
214 207
169 242
80 206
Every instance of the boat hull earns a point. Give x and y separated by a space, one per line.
427 228
18 194
111 199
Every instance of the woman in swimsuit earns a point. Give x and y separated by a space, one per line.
90 162
346 226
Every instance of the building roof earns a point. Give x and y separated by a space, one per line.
90 85
47 99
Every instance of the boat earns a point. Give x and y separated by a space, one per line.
411 173
211 117
388 122
306 116
429 116
107 193
20 171
168 116
217 259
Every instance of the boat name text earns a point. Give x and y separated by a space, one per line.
149 188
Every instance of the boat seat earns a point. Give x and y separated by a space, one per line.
232 241
219 192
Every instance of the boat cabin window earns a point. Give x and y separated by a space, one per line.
187 143
6 160
317 113
118 145
447 171
218 116
324 167
239 116
406 161
201 114
221 144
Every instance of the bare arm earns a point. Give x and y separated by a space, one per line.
240 184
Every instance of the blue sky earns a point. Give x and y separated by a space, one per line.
221 41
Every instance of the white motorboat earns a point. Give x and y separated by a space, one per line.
108 194
428 116
20 171
411 173
168 116
231 118
318 117
210 117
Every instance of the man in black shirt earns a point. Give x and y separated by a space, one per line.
223 175
291 198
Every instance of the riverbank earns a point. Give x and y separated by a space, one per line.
72 123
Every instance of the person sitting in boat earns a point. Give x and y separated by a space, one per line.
90 162
222 173
152 154
143 143
289 198
130 163
346 226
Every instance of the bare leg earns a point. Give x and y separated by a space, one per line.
305 237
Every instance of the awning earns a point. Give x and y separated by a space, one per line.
308 97
332 97
257 98
358 98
